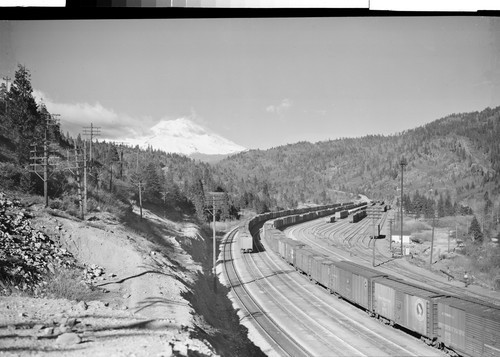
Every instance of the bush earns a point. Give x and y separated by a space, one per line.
10 175
67 284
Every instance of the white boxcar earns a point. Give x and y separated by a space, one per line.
246 241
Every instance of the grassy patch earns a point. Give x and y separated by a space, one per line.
67 284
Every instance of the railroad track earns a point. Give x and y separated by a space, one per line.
354 241
277 338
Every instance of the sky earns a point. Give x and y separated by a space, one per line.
260 82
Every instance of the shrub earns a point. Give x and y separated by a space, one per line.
67 284
10 175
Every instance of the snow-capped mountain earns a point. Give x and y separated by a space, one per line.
186 137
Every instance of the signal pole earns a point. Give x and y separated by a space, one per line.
374 212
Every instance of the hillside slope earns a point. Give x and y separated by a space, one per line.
458 155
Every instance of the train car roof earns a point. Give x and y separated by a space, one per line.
411 289
491 312
359 269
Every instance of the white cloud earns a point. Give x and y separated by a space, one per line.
280 108
75 116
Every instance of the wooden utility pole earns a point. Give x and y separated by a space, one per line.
390 234
85 176
215 198
402 163
79 185
49 120
432 239
91 131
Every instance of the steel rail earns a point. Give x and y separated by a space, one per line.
274 334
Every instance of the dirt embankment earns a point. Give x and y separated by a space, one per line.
140 309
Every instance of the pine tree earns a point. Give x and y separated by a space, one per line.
152 184
23 114
475 231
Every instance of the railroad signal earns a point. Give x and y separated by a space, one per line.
375 213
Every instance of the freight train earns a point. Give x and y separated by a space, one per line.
459 325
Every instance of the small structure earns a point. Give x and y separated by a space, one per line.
397 238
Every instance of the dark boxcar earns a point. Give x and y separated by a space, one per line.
358 216
342 214
406 305
469 328
330 219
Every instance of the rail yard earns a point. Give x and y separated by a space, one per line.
306 287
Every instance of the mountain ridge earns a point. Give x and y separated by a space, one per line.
186 137
457 155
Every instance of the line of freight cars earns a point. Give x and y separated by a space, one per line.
459 325
290 217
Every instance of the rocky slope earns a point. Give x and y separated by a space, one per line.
136 307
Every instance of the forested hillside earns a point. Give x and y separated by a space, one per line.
114 172
455 159
453 166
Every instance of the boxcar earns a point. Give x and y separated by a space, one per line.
316 264
342 214
303 260
361 282
330 219
324 278
468 328
245 240
290 246
406 305
358 216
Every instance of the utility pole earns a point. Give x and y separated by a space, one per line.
74 168
402 163
432 239
215 198
49 120
390 234
85 176
91 131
